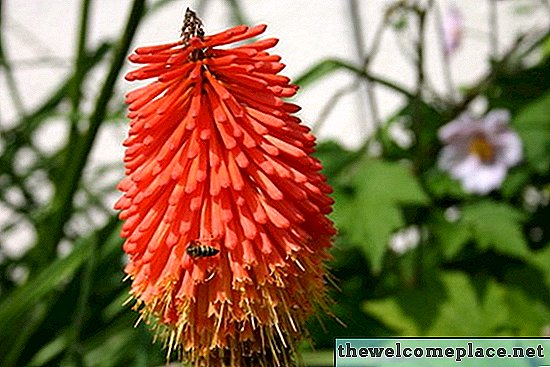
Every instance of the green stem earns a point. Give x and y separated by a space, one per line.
32 321
74 356
421 148
74 352
25 126
374 78
237 12
51 231
78 75
354 12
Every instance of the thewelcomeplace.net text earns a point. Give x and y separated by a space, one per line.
457 353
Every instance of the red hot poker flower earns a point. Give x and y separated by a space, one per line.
224 206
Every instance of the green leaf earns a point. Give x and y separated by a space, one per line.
448 307
25 297
28 300
318 358
541 259
533 126
334 157
515 181
373 210
389 182
498 226
389 311
452 236
441 185
528 315
50 351
485 314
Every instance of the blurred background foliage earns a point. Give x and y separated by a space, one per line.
475 265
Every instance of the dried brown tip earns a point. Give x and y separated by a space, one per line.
192 26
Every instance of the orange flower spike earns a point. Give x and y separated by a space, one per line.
224 207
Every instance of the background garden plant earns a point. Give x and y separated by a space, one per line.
418 252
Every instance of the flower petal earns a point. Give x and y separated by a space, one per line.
485 179
509 148
496 120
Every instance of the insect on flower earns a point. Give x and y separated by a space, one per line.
197 249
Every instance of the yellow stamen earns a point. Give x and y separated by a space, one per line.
480 147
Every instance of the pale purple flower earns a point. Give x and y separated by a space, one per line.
479 151
453 22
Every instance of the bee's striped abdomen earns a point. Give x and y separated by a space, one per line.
198 250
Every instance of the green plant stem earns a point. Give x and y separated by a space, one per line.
237 12
50 232
20 134
78 75
201 7
421 147
24 300
41 291
31 321
74 355
354 12
335 64
137 12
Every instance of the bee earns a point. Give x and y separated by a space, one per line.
197 250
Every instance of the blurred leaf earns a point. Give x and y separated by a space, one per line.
529 294
515 181
25 297
237 12
496 225
105 349
319 358
55 289
454 309
24 300
452 236
334 157
50 351
528 315
515 89
373 210
441 185
390 313
533 126
421 119
541 259
50 229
